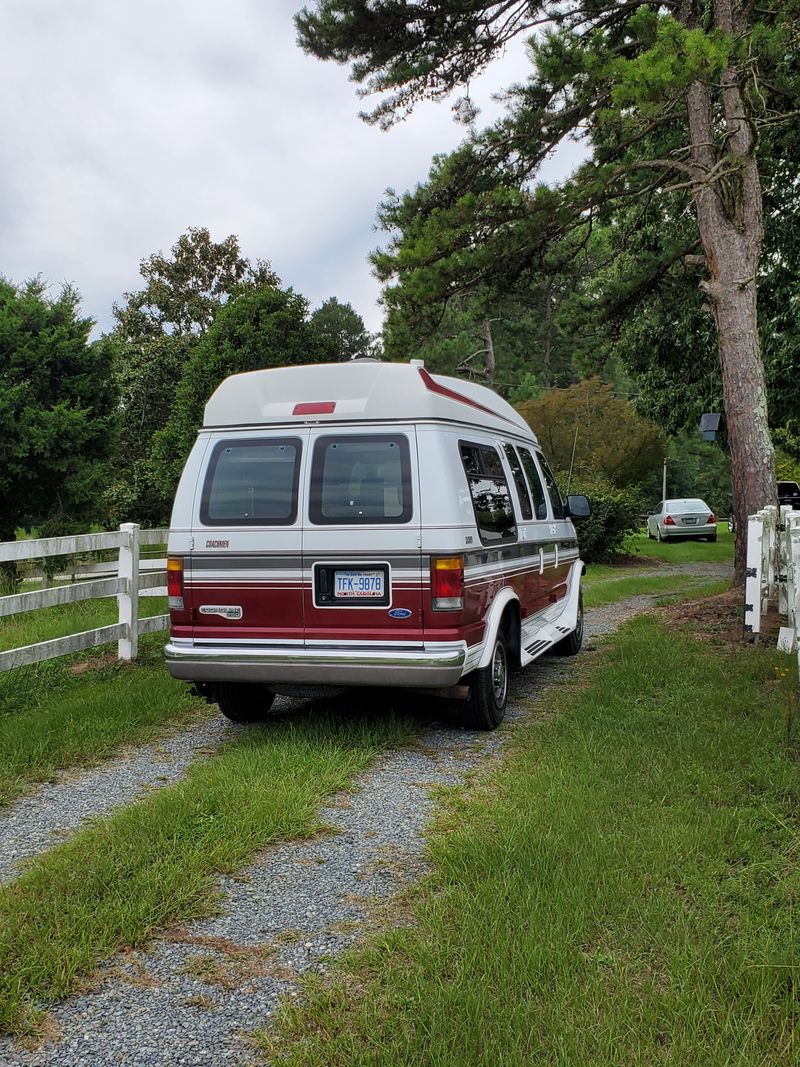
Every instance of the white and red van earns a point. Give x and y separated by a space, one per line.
367 524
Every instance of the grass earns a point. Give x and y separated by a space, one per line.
152 865
610 590
621 889
80 709
47 623
682 551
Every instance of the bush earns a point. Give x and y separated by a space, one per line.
615 514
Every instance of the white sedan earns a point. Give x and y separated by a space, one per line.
682 518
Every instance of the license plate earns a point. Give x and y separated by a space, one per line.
358 584
690 522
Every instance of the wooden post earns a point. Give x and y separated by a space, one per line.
128 596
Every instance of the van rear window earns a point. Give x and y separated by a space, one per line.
252 483
358 479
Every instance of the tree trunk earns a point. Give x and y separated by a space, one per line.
488 356
547 355
727 198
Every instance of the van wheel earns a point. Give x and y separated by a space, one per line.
244 701
572 643
488 689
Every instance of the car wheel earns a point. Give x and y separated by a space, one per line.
572 643
649 534
488 689
244 701
659 535
712 538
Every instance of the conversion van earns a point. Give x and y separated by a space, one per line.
367 524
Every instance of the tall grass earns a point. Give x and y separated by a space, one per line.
621 889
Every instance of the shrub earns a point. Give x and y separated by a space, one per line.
615 514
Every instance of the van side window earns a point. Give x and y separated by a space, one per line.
364 478
535 481
552 489
491 499
252 483
519 481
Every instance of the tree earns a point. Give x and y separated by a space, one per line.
261 328
184 291
57 410
157 330
670 97
521 342
587 430
343 329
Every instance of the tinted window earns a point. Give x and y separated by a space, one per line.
491 499
362 479
552 489
535 482
519 481
252 483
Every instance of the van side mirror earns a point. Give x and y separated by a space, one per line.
578 506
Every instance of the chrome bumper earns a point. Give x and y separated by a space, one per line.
437 666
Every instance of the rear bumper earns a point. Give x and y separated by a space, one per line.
432 666
706 530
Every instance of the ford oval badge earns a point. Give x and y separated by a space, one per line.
399 613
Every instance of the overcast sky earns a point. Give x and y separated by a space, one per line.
125 123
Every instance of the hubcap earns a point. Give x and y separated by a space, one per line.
499 675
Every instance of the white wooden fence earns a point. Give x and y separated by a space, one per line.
773 573
128 576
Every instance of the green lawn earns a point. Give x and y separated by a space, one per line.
620 888
47 623
682 551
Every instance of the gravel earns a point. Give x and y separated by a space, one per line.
196 993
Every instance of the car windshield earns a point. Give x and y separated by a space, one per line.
687 505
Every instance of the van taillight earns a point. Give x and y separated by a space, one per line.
447 583
175 584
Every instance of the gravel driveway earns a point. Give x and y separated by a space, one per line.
197 992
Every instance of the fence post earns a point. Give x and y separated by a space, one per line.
793 574
752 584
128 596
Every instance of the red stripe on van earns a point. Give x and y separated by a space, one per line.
451 394
320 407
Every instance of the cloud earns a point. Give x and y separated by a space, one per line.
126 123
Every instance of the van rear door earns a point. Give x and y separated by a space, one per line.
361 541
246 562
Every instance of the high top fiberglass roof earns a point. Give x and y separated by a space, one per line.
359 390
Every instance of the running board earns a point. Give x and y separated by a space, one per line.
545 637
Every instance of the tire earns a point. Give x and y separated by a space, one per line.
649 534
488 689
572 643
659 536
712 538
244 701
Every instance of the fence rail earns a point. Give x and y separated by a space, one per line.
773 573
128 577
